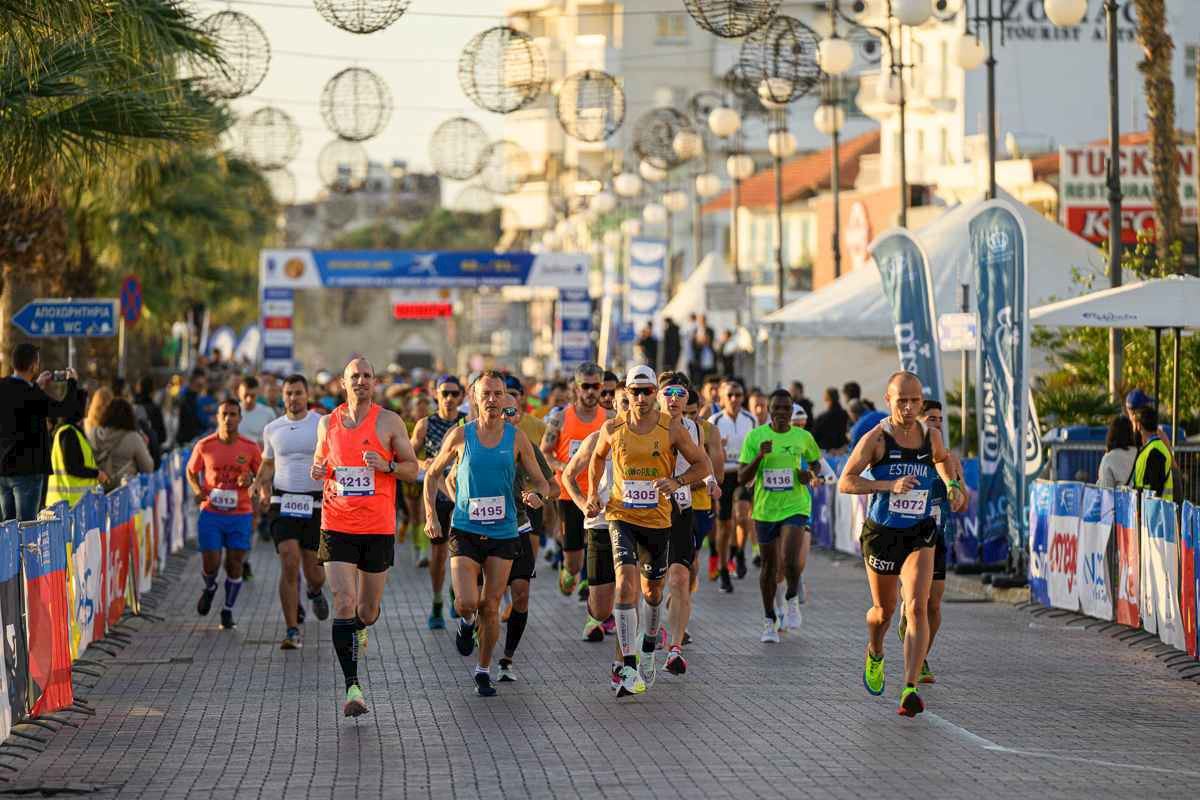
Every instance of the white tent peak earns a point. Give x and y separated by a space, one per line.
1170 302
690 296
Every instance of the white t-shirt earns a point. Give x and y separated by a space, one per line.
733 430
291 444
255 421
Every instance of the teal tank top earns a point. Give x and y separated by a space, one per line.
483 502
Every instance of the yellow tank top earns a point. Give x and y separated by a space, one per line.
700 499
638 460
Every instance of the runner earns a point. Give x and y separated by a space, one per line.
255 418
292 497
899 534
362 450
483 527
733 517
544 518
775 459
228 463
703 518
565 433
644 444
426 440
608 392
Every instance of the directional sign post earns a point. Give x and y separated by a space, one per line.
57 318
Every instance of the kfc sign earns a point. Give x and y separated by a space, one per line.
1092 222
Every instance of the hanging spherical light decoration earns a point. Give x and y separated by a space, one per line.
356 104
731 19
631 227
571 189
867 45
707 185
361 16
244 54
654 136
654 214
282 184
456 147
604 202
269 137
504 167
627 184
739 166
675 201
474 199
650 173
724 122
342 166
590 105
781 58
701 105
502 70
743 88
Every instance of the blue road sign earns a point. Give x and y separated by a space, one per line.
131 299
48 317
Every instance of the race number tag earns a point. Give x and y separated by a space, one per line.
683 497
778 480
486 510
639 494
354 481
223 499
295 505
526 528
911 504
573 447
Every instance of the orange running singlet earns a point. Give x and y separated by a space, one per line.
574 431
357 499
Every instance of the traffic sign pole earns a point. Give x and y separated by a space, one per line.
121 347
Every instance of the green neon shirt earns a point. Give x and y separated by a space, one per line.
777 493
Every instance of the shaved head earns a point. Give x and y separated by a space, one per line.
357 364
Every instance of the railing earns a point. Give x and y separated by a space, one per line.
1080 461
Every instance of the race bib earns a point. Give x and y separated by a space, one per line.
639 494
910 504
778 480
296 505
683 497
486 510
573 447
354 481
526 528
223 499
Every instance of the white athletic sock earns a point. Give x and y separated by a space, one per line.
653 614
780 594
626 627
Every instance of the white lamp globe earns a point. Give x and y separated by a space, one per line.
724 122
912 12
627 184
687 145
829 119
969 52
1066 13
707 184
675 201
651 173
739 166
603 203
612 239
781 144
654 214
631 227
774 92
890 90
835 56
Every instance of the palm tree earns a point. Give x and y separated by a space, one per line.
1159 50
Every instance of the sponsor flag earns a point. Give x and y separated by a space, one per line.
177 499
87 571
118 552
12 612
822 522
73 632
1091 576
1062 559
161 512
1189 553
1159 524
1147 601
44 558
1041 499
1129 571
904 273
646 278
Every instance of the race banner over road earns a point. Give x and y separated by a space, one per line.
904 272
998 251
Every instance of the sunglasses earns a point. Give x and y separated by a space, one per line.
608 393
589 387
641 391
450 394
509 412
674 391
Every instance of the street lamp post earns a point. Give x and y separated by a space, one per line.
725 123
780 144
835 57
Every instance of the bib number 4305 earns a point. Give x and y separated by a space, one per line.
640 494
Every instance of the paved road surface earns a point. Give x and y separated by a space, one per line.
1024 707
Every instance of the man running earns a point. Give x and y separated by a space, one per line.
426 440
293 498
564 435
228 463
733 518
703 519
483 525
644 445
775 459
362 450
899 534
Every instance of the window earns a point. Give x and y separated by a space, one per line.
670 27
1191 53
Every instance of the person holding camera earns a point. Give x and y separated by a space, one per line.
25 408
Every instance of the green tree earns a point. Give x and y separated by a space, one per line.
440 229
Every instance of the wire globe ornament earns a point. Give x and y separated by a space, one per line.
703 103
731 19
282 184
505 166
571 189
743 89
245 55
867 46
456 147
590 105
270 138
361 16
356 104
342 166
654 136
502 70
780 59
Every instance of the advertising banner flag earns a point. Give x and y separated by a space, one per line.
1062 561
1095 596
1147 602
87 556
119 551
1189 553
998 252
12 610
904 273
44 560
146 551
647 277
1129 570
1159 516
177 462
822 518
1041 501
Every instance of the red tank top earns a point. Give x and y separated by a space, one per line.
357 498
574 431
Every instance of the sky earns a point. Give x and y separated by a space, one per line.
416 56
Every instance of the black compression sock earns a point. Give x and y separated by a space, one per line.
345 646
514 630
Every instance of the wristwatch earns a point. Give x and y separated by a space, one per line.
391 467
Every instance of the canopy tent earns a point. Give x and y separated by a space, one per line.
689 298
1160 303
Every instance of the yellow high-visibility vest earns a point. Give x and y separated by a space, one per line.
1143 458
63 485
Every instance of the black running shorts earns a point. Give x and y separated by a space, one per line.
480 548
305 530
939 558
730 492
572 525
886 549
444 509
682 548
370 552
524 563
634 545
600 570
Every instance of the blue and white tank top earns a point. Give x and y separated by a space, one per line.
909 509
483 502
436 429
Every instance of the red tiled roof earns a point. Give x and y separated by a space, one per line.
803 175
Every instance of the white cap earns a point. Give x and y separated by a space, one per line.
640 375
798 411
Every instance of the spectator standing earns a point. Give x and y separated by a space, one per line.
191 424
73 470
25 409
727 353
799 399
672 345
1120 451
149 410
647 346
96 407
864 420
829 428
121 450
1152 466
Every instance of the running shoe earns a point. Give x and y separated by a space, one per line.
780 613
609 625
465 639
423 562
631 682
506 672
614 681
770 634
646 668
726 584
902 625
801 595
740 559
483 685
300 615
583 591
355 705
291 641
362 638
320 605
926 674
566 582
436 621
548 552
757 560
247 573
910 702
204 604
593 631
227 622
687 638
713 567
792 619
676 663
874 678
